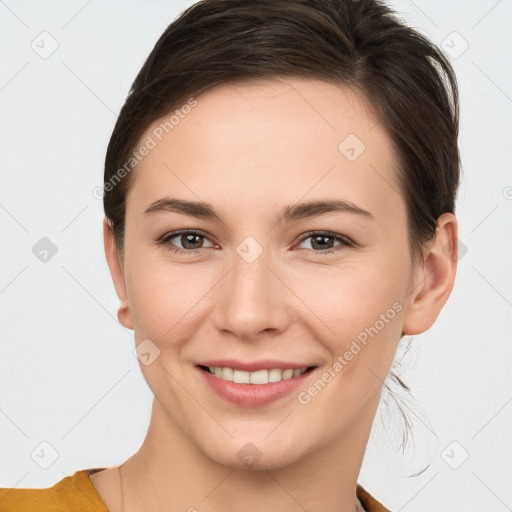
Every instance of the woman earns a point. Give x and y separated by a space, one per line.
279 212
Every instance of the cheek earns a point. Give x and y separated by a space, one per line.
346 300
166 299
359 319
358 312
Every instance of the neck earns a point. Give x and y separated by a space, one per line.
170 473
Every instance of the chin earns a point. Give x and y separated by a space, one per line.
257 455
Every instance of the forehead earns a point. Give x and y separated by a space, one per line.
277 140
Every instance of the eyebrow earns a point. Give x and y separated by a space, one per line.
289 213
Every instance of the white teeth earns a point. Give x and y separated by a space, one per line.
257 377
274 375
287 374
240 377
227 373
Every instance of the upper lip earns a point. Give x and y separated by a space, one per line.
253 366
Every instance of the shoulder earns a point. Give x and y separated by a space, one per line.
74 493
369 503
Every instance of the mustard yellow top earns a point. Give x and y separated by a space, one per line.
77 493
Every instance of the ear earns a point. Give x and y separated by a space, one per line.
433 280
117 272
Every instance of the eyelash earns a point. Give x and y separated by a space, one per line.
345 241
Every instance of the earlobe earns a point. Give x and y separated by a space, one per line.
434 280
117 272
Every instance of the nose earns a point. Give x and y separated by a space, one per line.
252 299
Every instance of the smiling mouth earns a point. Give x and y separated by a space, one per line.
258 377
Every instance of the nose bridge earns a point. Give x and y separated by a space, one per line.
251 298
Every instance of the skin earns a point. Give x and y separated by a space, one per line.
249 150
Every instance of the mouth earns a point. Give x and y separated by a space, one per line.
258 377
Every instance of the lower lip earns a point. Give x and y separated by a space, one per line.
253 395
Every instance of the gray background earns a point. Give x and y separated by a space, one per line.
71 392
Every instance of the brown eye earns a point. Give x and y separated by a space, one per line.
191 241
325 241
185 241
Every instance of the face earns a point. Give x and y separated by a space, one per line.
299 259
